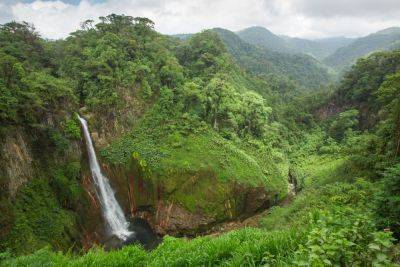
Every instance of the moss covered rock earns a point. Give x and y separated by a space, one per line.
186 188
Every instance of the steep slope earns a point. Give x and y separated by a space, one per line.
302 69
308 47
383 40
359 87
364 112
41 197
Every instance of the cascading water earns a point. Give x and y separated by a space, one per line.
112 211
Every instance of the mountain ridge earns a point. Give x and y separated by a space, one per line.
331 51
386 39
259 60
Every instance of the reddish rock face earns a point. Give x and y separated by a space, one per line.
173 219
18 162
92 224
148 198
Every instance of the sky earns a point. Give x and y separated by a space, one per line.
311 19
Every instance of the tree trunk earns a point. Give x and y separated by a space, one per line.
398 143
215 123
397 135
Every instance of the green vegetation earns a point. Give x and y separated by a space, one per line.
258 60
262 37
342 58
185 111
210 135
39 221
318 49
325 226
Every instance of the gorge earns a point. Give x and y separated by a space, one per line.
122 146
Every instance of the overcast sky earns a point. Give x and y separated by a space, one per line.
300 18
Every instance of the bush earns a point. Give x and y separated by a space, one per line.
72 129
345 121
344 238
388 201
65 184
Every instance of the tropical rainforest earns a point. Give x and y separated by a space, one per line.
236 149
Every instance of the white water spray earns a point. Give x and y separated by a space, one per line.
112 211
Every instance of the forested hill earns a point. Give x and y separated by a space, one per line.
363 116
387 39
319 48
337 53
260 60
331 44
302 69
359 88
260 36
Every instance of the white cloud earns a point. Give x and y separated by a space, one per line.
318 18
346 8
55 19
302 18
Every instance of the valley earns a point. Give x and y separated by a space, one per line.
122 146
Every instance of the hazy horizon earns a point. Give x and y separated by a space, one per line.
309 19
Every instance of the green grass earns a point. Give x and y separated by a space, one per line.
210 152
327 181
199 171
328 238
323 169
327 197
205 152
246 247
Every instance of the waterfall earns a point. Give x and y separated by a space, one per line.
112 211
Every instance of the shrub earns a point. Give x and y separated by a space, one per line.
344 238
388 201
72 129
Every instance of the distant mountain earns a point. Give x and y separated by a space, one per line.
333 43
257 48
262 37
387 39
183 36
318 49
260 60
